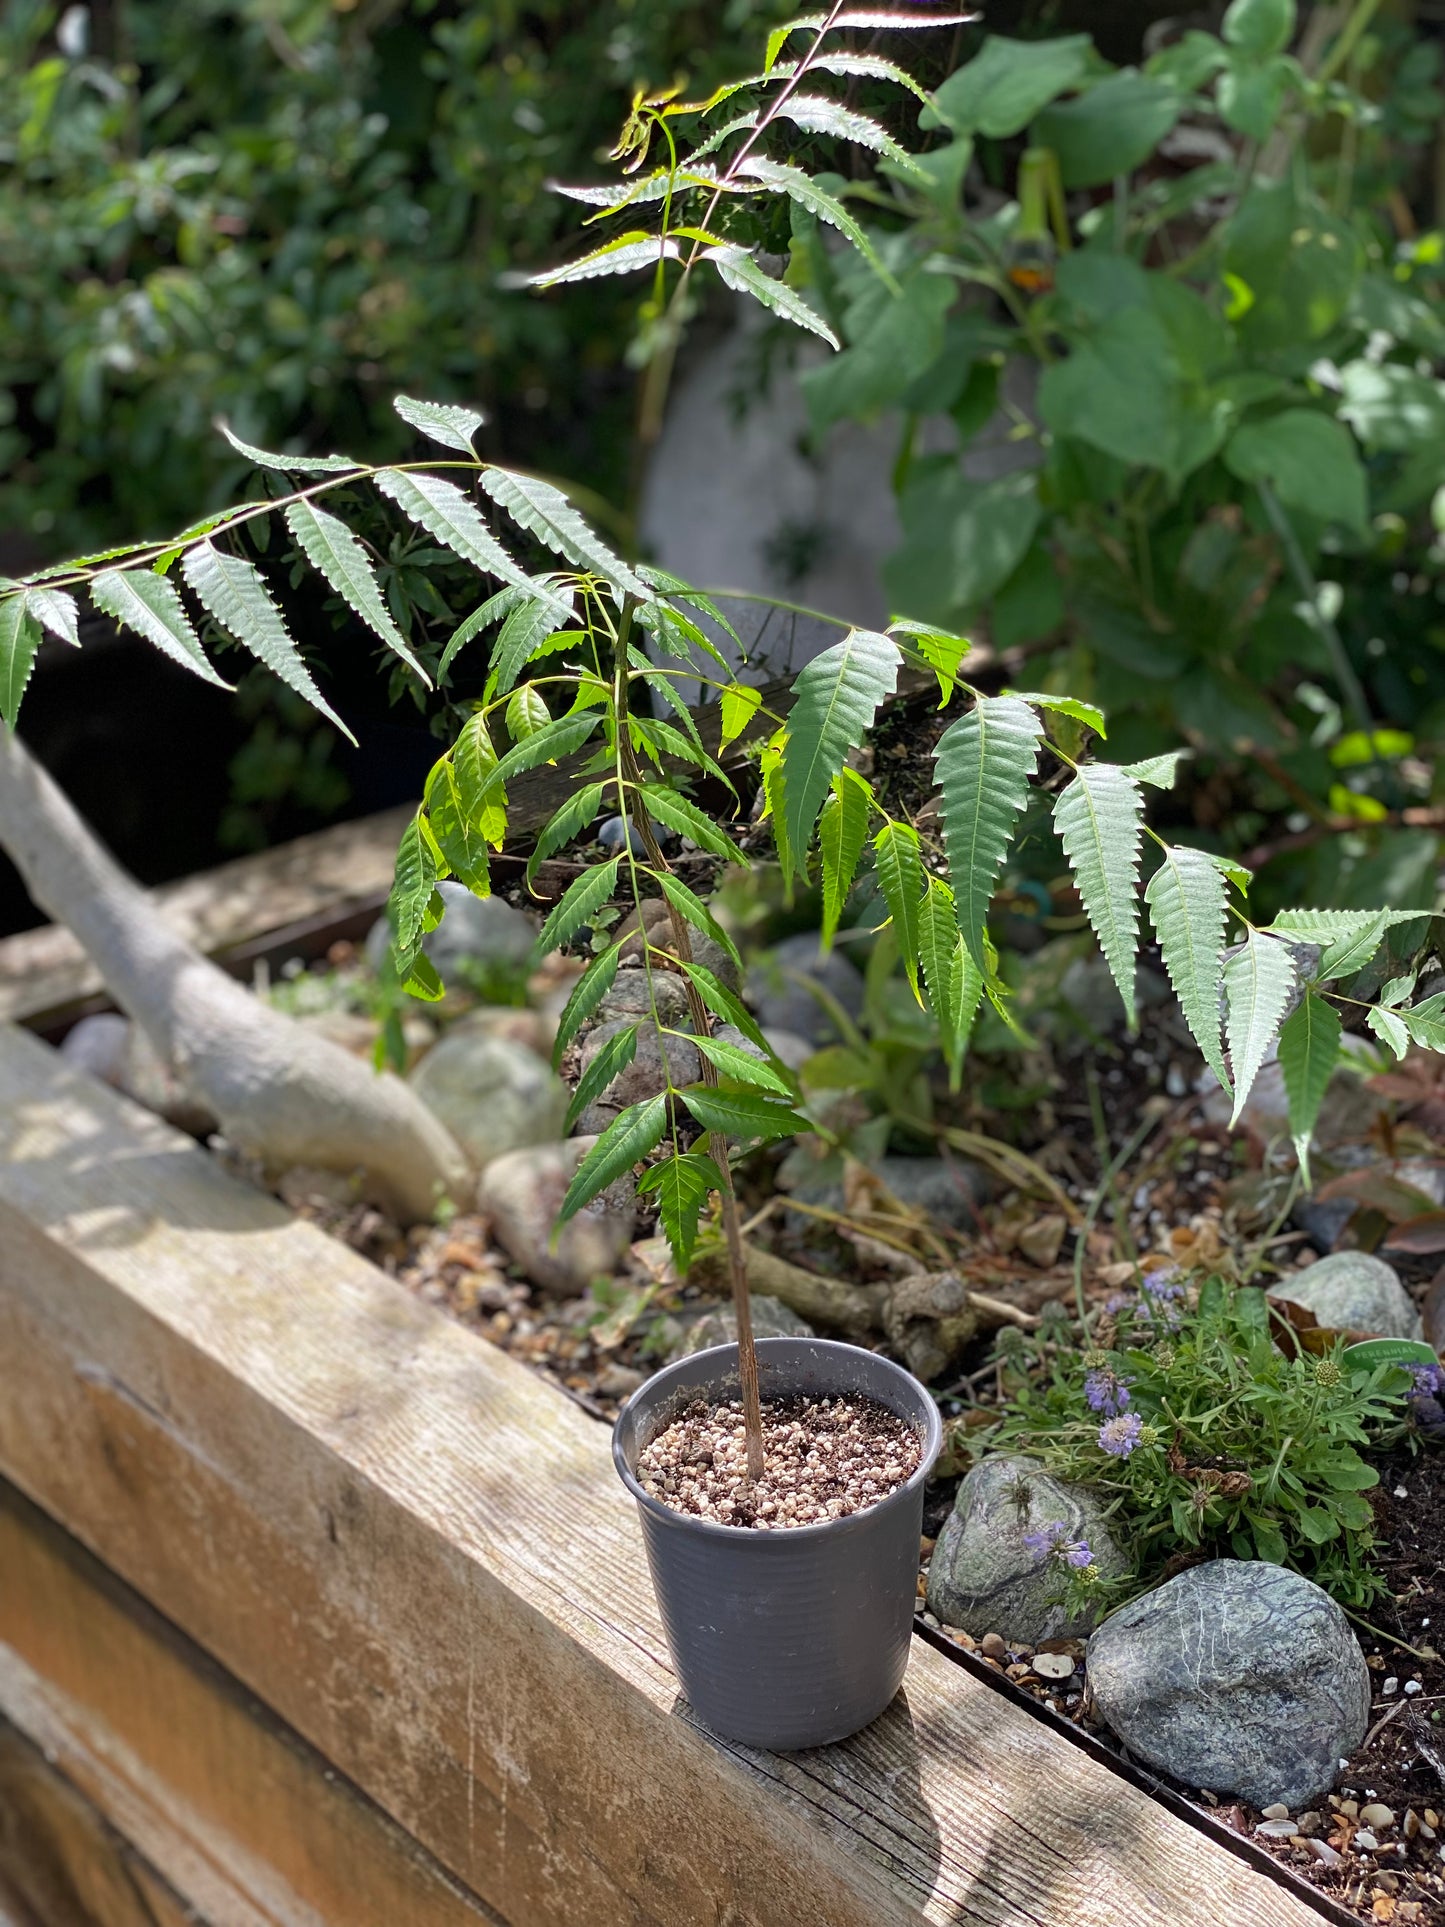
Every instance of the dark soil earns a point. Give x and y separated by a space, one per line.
823 1459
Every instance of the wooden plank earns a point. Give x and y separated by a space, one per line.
340 869
61 1863
417 1554
236 1812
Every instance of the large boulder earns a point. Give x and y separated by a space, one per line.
1351 1291
493 1094
522 1193
629 996
983 1577
1237 1676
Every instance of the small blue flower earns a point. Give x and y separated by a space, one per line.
1429 1380
1106 1392
1078 1555
1043 1542
1119 1436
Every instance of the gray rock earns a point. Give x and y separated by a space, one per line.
493 1095
949 1190
708 952
119 1053
522 1193
615 833
777 988
96 1045
1352 1291
793 1050
628 996
1088 987
647 1074
719 1326
479 937
984 1579
1237 1676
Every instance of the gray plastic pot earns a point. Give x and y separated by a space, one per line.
799 1636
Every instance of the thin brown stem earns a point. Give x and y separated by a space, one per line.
716 1141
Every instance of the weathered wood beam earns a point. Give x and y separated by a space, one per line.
416 1553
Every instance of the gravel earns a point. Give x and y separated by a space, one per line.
822 1458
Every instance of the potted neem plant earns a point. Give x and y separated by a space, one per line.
779 1484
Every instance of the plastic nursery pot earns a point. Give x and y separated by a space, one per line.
798 1636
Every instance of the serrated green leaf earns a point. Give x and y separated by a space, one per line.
1321 926
235 593
836 698
770 768
742 1066
1188 903
1258 980
628 254
445 512
983 764
152 607
1159 772
1350 953
938 936
546 745
19 641
942 651
724 1003
817 115
545 512
412 884
457 836
475 764
576 814
656 739
610 1062
443 421
492 610
673 585
803 189
1428 1031
842 827
859 66
741 1114
899 869
1389 1027
739 706
743 275
682 1184
1309 1049
691 906
591 987
54 610
1087 713
422 980
334 551
584 896
1098 818
625 1142
872 19
288 464
527 713
688 820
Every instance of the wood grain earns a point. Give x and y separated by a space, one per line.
255 1828
417 1554
62 1864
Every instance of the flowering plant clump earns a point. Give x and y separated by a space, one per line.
1205 1440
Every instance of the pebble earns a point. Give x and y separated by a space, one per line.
1350 1808
1275 1829
1325 1853
1413 1686
1376 1815
993 1647
1391 1685
619 1381
1309 1823
1053 1665
1366 1841
1277 1811
1411 1825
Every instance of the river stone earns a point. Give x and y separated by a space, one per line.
522 1193
948 1190
1237 1676
628 996
478 936
1352 1291
783 1003
719 1326
984 1579
647 1074
493 1095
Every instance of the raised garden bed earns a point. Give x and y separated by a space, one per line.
414 1554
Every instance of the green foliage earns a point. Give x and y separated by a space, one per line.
1233 1448
573 641
1226 387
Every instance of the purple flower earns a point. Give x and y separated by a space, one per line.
1078 1555
1429 1380
1159 1295
1042 1543
1119 1436
1106 1392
